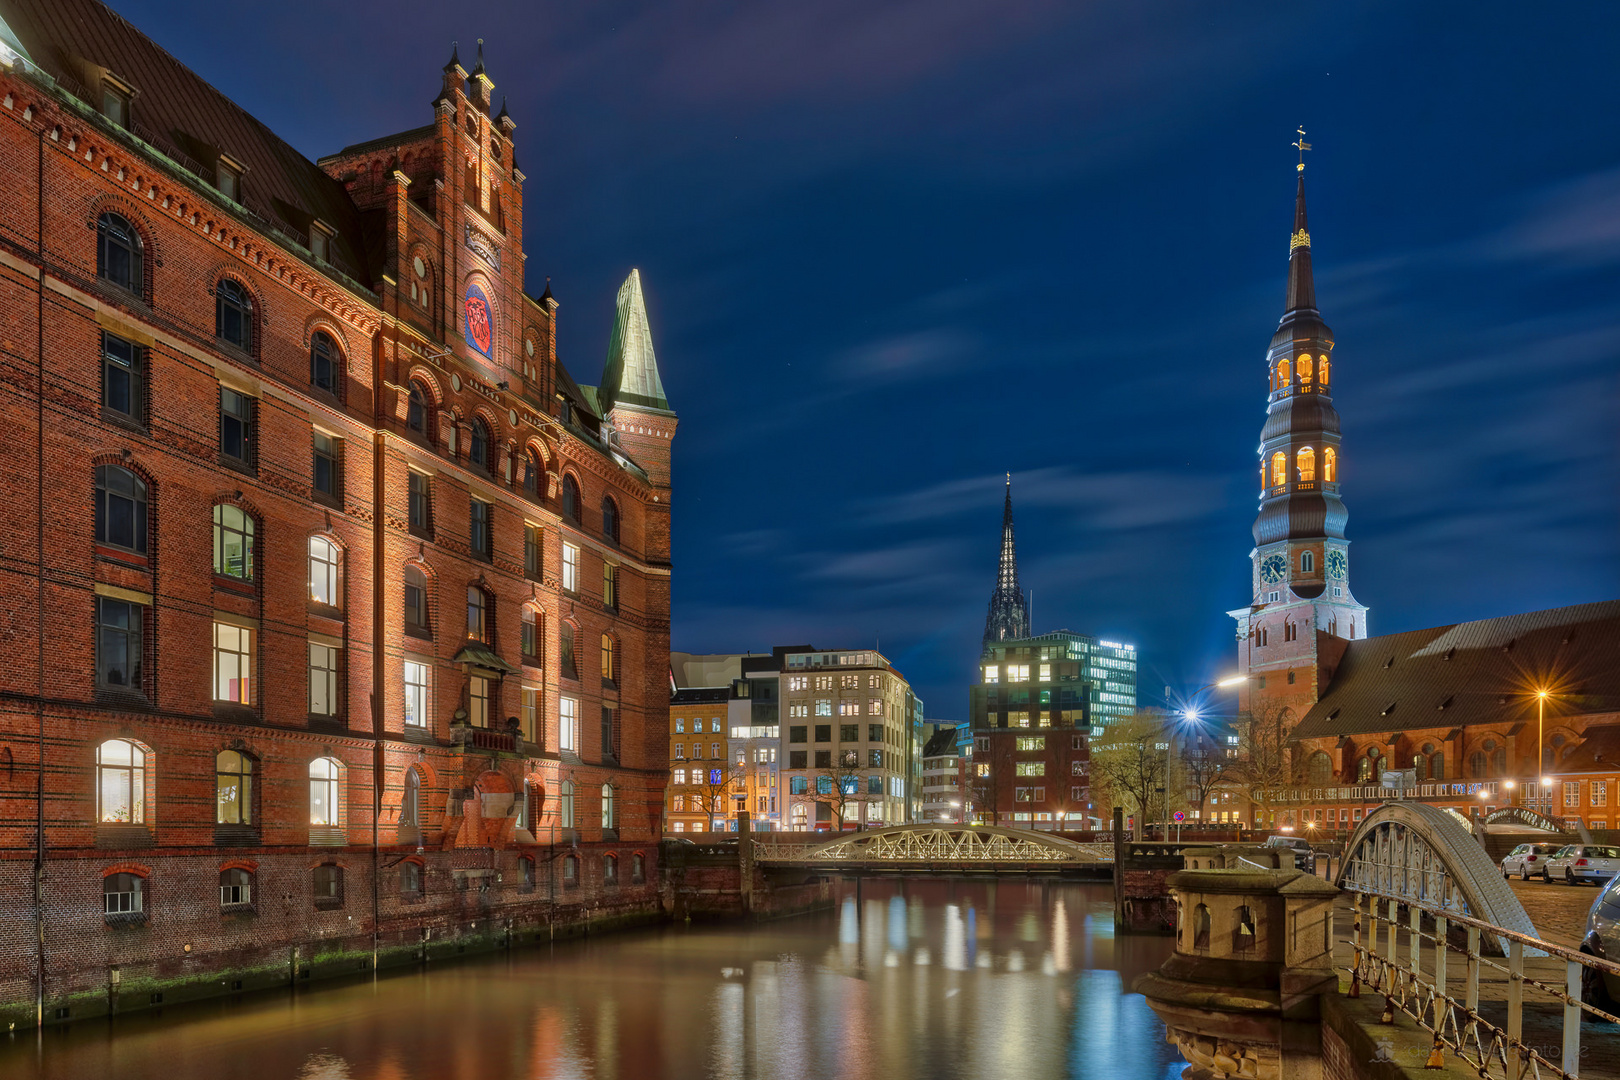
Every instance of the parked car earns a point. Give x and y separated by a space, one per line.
1304 856
1602 939
1576 863
1526 860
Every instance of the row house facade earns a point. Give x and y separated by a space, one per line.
339 611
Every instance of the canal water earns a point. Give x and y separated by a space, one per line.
902 980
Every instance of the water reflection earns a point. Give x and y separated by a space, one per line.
900 980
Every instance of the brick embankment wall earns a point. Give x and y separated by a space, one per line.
714 890
1147 906
183 946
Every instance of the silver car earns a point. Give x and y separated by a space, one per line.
1576 863
1526 860
1602 939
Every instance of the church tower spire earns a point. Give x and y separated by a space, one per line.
1300 562
1009 607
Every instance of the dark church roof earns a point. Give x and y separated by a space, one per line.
1474 673
701 695
176 111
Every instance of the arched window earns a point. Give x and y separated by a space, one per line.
1322 372
1307 562
325 806
233 788
416 602
120 254
1284 375
1306 461
123 894
233 542
1420 768
610 870
1201 927
1319 769
325 363
609 819
1279 469
120 783
609 670
120 509
1477 764
610 519
410 802
638 869
566 650
416 410
1330 465
477 614
235 887
1365 767
1304 369
565 805
479 450
1437 766
532 472
233 314
570 497
324 561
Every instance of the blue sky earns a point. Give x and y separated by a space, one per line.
893 251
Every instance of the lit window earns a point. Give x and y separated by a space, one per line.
1304 369
1306 461
608 671
568 730
232 662
323 680
477 616
1330 465
1031 768
992 674
120 783
233 788
324 805
1284 376
323 571
609 819
570 567
478 701
1279 469
1323 372
610 586
416 694
565 805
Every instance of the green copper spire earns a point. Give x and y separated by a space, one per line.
631 374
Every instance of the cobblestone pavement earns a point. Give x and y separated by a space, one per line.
1558 911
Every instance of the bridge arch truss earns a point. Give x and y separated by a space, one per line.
983 847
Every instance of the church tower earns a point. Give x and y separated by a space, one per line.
1301 610
1008 618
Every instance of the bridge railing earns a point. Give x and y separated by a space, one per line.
1449 1008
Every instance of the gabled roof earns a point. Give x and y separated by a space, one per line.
941 743
183 117
1474 673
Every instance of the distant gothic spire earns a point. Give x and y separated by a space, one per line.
1009 607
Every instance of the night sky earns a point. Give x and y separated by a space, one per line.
895 250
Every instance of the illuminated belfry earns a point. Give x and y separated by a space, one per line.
1008 617
1300 561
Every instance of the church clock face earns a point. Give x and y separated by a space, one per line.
1336 565
1273 568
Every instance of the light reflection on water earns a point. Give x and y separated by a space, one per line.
902 980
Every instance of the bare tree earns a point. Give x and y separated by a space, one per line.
1131 759
716 782
841 786
1263 768
1202 768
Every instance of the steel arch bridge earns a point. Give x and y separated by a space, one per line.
1408 851
959 848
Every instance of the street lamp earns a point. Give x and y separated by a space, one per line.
1191 715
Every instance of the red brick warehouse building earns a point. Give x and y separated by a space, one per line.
337 611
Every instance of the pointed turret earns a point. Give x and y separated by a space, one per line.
1009 608
630 376
455 56
478 68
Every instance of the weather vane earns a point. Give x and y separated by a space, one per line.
1303 146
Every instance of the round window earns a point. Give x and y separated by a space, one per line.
419 266
1490 744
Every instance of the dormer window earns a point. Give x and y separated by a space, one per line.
115 99
228 179
320 242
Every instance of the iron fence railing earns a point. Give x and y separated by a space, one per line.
1447 1004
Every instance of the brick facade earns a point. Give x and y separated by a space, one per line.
409 225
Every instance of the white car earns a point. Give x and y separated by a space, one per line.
1526 860
1575 863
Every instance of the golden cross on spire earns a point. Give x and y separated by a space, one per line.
1303 146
